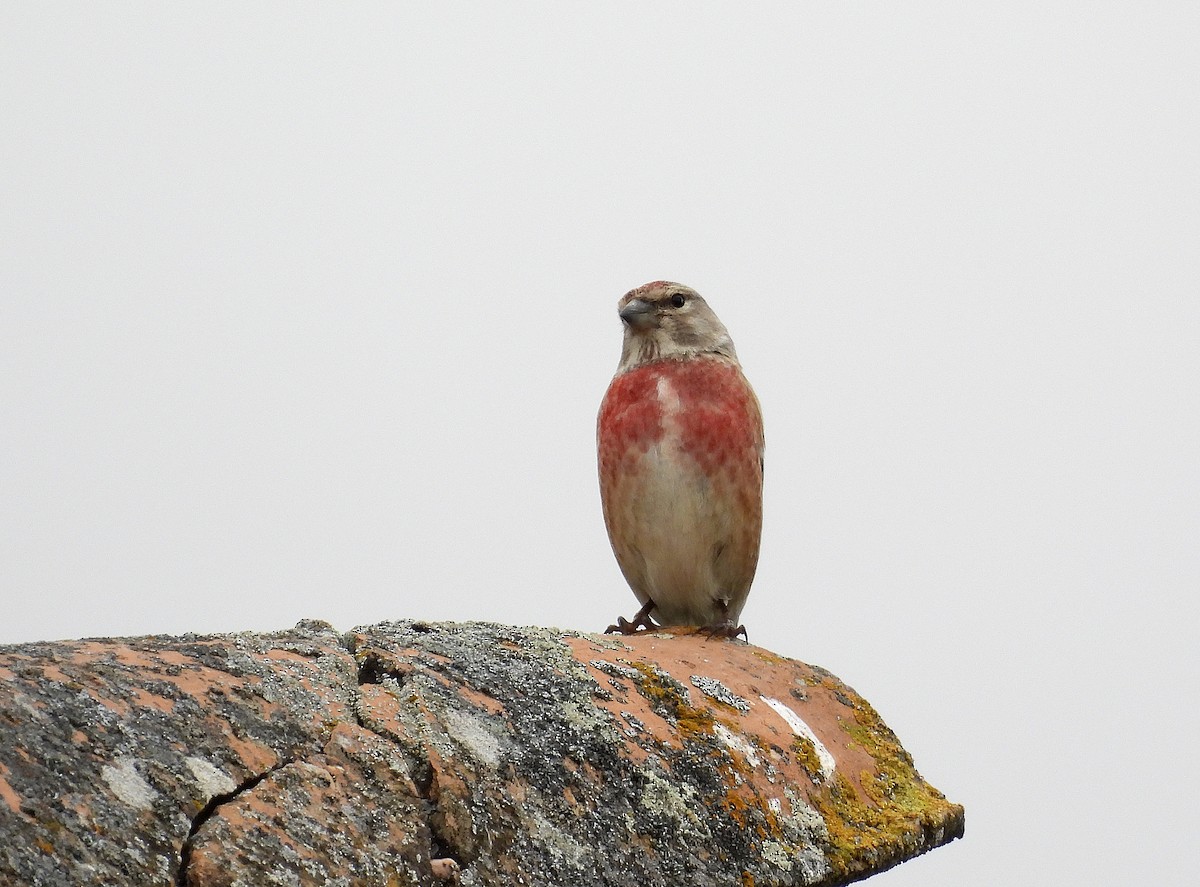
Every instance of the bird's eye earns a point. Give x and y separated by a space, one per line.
677 300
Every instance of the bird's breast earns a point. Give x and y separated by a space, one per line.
701 408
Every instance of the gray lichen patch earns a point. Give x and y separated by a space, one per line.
714 689
211 780
127 784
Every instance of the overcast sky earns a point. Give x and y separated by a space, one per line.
307 312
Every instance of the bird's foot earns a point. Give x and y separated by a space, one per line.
640 622
724 630
626 626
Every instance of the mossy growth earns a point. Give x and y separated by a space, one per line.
899 806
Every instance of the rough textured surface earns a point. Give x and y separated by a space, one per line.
414 753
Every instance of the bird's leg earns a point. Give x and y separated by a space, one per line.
641 621
724 628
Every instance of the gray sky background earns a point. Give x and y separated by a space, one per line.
306 311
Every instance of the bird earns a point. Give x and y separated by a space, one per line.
679 441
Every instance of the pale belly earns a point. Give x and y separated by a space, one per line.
683 548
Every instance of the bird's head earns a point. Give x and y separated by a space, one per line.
669 320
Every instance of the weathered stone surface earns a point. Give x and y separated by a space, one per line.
413 753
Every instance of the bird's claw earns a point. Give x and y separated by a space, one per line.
724 630
627 626
640 622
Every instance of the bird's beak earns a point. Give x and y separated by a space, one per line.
637 312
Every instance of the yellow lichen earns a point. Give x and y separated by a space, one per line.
768 656
806 756
691 721
895 804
